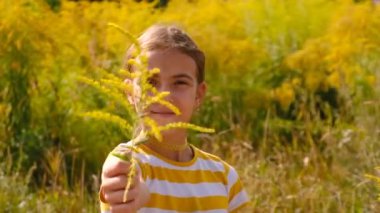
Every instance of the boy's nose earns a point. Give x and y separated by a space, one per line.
163 87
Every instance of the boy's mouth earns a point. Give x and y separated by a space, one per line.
163 113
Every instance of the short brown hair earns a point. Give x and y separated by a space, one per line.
161 37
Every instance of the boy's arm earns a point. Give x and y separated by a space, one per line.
114 180
237 196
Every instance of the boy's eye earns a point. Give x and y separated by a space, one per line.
152 82
180 83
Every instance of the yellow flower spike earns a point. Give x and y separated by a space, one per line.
117 84
132 61
183 125
156 98
170 106
100 115
144 59
153 71
140 138
108 75
136 65
154 129
129 35
152 89
131 174
124 73
135 54
161 95
127 74
106 91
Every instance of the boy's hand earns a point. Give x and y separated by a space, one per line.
114 181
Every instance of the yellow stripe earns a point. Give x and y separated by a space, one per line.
188 204
183 176
143 149
235 189
241 207
139 149
199 153
208 156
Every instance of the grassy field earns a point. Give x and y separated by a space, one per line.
294 94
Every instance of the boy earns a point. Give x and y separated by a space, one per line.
173 176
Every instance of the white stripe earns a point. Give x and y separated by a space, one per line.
238 200
157 210
154 210
200 164
213 211
106 211
232 177
164 187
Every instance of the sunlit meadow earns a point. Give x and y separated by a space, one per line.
294 97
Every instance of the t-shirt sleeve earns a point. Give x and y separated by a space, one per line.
237 196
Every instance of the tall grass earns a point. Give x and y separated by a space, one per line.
18 191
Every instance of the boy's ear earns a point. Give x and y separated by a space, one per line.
201 92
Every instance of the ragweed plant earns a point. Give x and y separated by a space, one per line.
141 94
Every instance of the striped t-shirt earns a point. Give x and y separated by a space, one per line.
206 184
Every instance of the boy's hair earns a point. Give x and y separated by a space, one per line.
162 37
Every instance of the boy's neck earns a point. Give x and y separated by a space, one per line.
165 148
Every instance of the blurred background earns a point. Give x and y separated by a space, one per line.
294 94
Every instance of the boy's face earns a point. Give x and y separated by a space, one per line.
178 75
